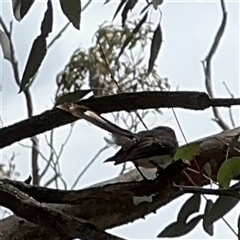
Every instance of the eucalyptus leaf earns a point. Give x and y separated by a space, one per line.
128 7
134 31
72 10
207 169
73 96
220 208
25 6
189 207
119 8
228 171
107 1
155 47
145 8
47 23
208 228
39 48
37 54
21 8
187 151
16 6
5 44
178 229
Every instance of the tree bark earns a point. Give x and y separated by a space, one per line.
121 102
115 202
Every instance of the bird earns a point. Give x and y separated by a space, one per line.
152 148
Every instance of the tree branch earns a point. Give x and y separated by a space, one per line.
56 222
126 101
207 66
112 203
29 102
218 192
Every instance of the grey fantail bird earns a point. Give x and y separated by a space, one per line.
153 148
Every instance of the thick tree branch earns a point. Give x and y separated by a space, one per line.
112 203
57 223
47 195
126 101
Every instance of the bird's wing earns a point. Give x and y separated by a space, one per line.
149 147
89 115
145 148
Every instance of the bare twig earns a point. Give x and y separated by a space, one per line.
55 157
230 109
59 34
112 77
28 97
48 160
88 166
207 66
219 192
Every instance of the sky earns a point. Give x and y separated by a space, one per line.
188 31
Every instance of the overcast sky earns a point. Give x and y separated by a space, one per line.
188 31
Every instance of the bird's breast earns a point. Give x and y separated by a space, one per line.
162 161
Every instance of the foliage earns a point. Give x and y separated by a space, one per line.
100 68
115 64
89 68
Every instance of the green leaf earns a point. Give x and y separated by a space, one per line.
208 228
73 96
228 171
207 169
39 48
36 56
107 1
25 6
119 8
128 7
187 151
145 8
47 23
155 47
178 229
189 207
21 8
220 208
134 31
5 44
72 10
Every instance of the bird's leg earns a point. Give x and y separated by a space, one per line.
159 169
137 167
